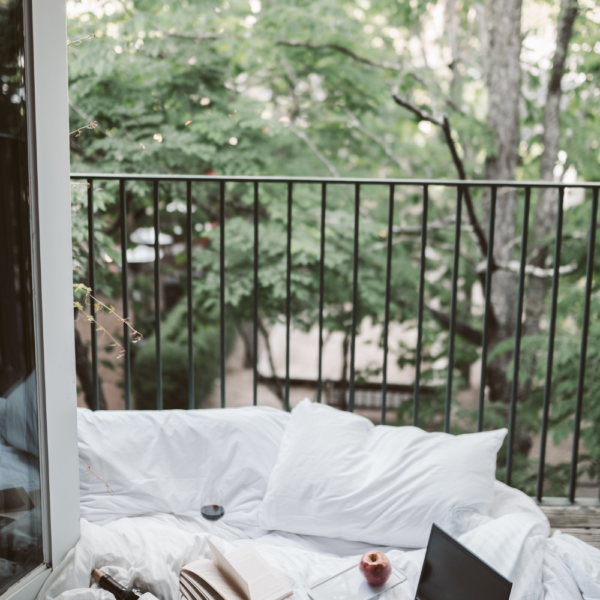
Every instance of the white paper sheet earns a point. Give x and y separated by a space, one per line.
351 585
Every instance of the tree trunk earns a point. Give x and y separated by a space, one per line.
504 92
246 331
545 212
504 99
451 36
276 387
83 368
344 373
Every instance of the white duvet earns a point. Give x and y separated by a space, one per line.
150 550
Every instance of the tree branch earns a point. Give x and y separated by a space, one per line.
381 143
468 333
433 226
343 50
334 172
423 115
195 38
514 266
444 124
373 63
415 230
290 79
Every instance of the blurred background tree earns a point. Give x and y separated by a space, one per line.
496 89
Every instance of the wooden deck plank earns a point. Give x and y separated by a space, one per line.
582 522
589 536
587 517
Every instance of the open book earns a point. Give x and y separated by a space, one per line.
242 575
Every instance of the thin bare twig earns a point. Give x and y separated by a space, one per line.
85 116
98 304
80 40
108 488
91 125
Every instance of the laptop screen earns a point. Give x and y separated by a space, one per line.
450 571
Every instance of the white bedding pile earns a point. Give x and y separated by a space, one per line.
337 475
156 463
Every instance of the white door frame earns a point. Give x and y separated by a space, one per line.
48 130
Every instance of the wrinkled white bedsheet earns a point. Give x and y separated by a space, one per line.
150 550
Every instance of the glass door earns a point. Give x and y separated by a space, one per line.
21 531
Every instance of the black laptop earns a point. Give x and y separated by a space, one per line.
452 572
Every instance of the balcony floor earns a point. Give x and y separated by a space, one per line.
582 522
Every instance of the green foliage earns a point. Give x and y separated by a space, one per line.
174 342
303 88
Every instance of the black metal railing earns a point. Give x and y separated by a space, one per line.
462 188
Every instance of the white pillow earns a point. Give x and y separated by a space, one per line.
161 461
339 476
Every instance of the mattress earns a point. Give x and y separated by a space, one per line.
150 550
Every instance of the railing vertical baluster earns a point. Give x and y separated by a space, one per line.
423 267
584 340
288 297
256 290
124 292
354 298
159 398
517 347
222 286
486 313
386 320
190 305
551 336
321 289
452 330
92 283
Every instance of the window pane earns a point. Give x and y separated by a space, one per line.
20 512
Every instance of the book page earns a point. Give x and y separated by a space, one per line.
190 591
222 563
263 581
205 570
198 587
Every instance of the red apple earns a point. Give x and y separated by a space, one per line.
376 567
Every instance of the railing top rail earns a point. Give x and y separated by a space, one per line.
339 180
